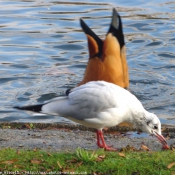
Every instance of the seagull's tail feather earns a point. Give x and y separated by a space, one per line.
55 106
34 108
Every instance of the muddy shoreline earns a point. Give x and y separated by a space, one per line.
63 137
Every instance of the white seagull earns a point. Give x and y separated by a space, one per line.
99 104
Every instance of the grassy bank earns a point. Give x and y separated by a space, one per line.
127 162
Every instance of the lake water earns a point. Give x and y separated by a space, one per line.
43 51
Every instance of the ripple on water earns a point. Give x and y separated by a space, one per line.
44 52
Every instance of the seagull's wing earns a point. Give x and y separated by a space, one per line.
83 102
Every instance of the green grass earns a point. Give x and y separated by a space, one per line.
87 162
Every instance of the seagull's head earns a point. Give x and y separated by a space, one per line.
151 125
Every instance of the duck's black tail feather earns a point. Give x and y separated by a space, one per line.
89 32
116 28
34 108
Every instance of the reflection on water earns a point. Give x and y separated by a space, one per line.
44 52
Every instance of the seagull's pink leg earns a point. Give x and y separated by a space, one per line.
98 139
103 145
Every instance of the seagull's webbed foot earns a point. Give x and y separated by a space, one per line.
109 148
100 139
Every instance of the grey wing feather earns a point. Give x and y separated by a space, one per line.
83 102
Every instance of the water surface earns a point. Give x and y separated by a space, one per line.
43 51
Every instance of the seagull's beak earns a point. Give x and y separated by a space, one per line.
162 141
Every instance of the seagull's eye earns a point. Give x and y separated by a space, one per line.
155 127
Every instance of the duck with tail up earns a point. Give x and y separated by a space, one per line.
107 59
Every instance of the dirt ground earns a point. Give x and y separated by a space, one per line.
55 137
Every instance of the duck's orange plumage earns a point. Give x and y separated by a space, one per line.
107 59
